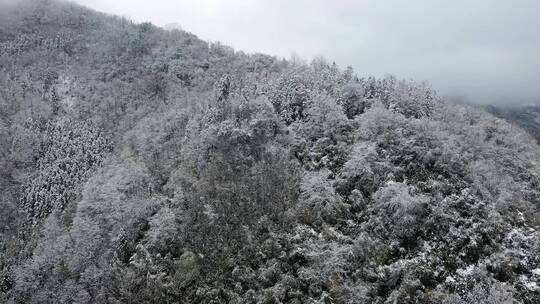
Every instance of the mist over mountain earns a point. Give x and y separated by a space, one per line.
528 117
485 50
144 165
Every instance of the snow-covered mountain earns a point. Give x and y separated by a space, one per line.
143 165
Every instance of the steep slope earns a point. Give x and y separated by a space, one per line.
147 166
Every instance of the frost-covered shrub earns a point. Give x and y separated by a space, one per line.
291 97
319 203
323 140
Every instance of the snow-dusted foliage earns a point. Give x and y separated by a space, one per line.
71 149
147 166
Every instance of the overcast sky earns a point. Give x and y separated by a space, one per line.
483 50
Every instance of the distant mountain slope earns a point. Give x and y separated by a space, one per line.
528 117
140 165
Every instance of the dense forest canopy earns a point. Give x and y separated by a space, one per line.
142 165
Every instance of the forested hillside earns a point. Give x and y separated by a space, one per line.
140 165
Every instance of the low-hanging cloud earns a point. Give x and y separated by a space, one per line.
484 51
